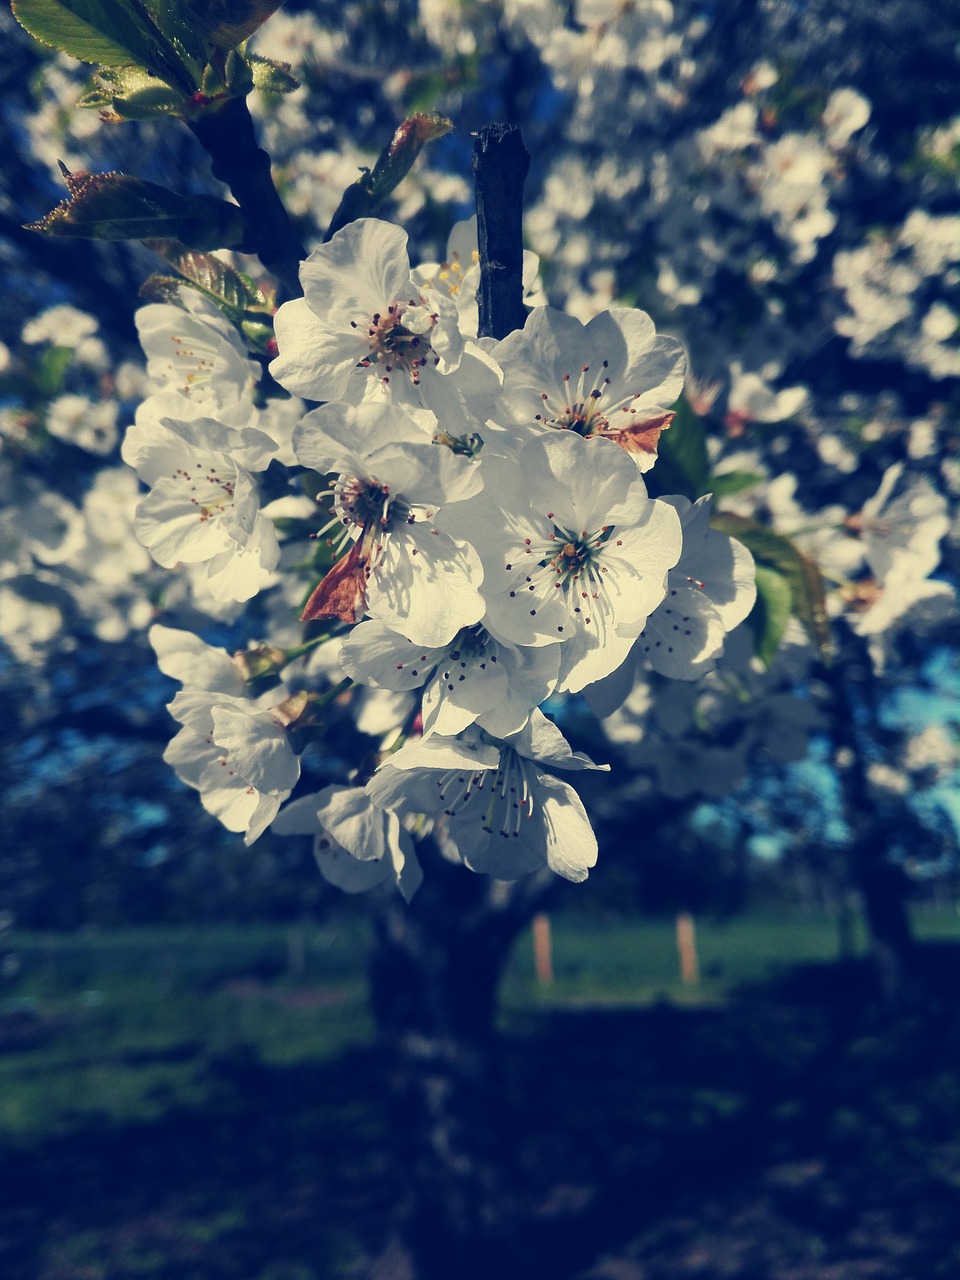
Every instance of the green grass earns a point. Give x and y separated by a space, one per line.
200 1104
635 961
123 1024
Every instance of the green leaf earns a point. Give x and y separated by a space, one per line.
773 552
270 76
682 464
771 612
239 75
114 33
730 482
51 373
131 93
235 293
147 104
160 288
113 206
227 23
368 193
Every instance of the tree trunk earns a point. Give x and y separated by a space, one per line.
883 891
435 970
882 885
437 962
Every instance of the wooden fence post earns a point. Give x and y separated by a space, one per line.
687 948
542 948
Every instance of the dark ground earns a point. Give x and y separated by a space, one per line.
790 1134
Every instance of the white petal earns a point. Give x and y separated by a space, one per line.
186 658
259 749
571 844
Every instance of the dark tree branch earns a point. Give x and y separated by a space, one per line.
227 135
500 164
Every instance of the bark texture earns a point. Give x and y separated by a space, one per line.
435 970
500 164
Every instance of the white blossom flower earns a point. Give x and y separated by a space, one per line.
844 115
231 749
196 352
87 424
901 534
735 130
459 275
913 605
503 815
790 177
574 551
357 844
64 325
710 591
109 553
31 616
613 378
751 398
364 326
473 679
401 568
35 524
203 508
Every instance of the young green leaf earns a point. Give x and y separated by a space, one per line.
113 206
130 93
232 291
365 196
771 612
270 76
778 554
728 483
113 33
682 462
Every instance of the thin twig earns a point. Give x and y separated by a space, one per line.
500 164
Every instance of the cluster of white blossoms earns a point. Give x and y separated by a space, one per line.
485 542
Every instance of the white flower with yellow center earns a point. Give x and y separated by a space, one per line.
459 275
203 507
614 377
574 551
365 329
195 352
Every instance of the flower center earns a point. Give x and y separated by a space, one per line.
209 492
452 273
499 799
567 562
578 557
584 406
398 346
369 503
577 407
